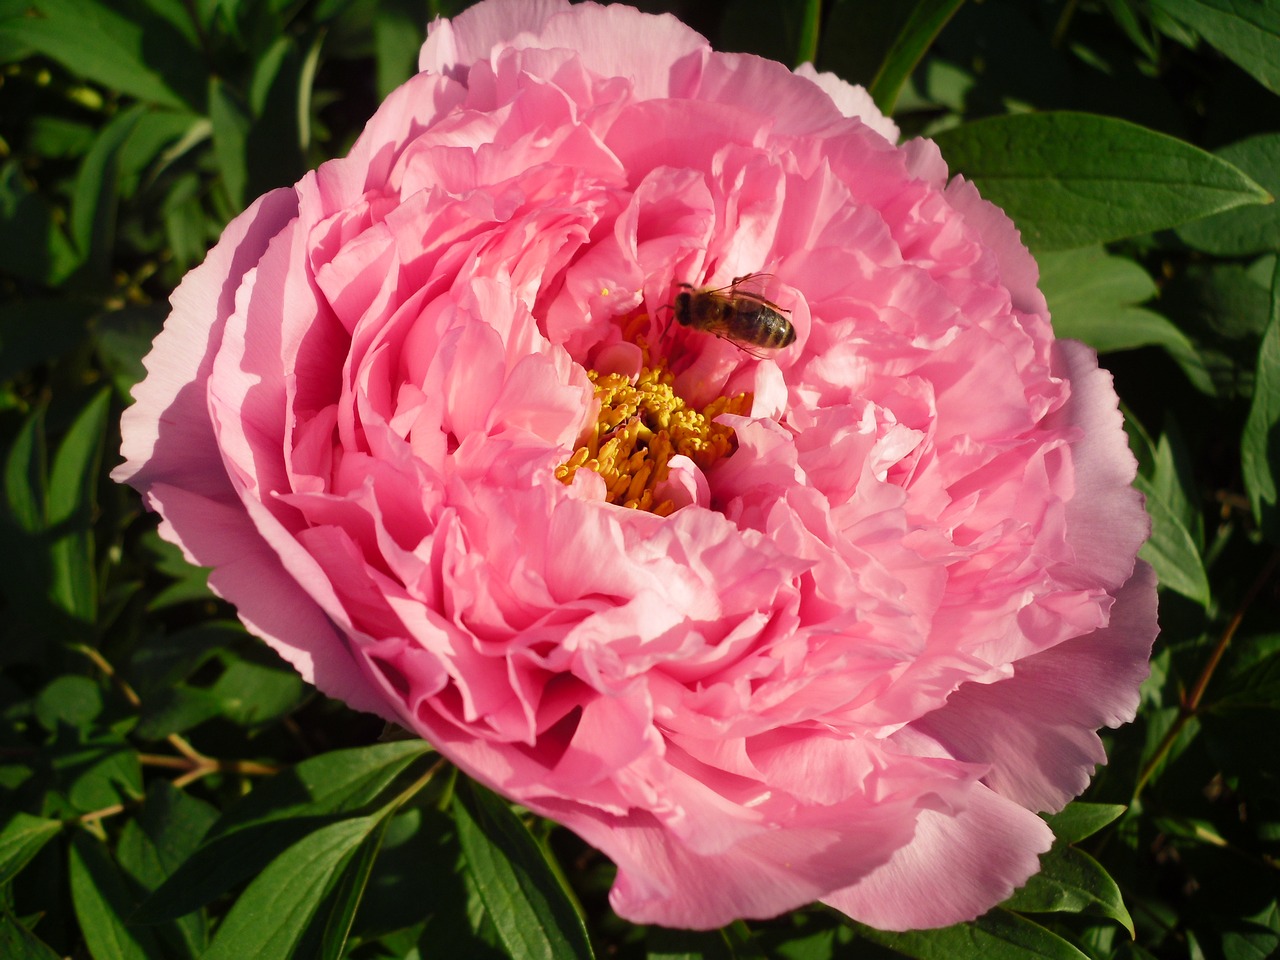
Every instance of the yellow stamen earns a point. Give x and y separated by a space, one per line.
640 427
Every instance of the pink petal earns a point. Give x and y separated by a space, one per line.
956 866
453 45
851 100
1036 729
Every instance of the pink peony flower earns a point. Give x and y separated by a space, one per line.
827 622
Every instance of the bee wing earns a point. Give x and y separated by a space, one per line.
748 283
750 287
760 353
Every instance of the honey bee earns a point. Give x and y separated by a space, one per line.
737 314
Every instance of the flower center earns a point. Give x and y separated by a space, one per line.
643 424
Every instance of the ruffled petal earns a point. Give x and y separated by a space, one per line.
957 866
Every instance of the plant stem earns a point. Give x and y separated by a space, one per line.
192 761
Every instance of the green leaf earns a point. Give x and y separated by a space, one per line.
742 942
273 913
1253 938
123 337
192 582
1255 649
279 108
1128 21
305 92
1225 308
1177 534
781 30
1075 179
1071 881
177 14
1093 297
59 137
813 946
810 27
1172 481
1245 30
176 710
38 330
74 471
1140 442
175 822
923 24
418 877
101 898
332 784
350 891
1246 230
275 815
152 846
1260 444
1171 550
22 837
861 40
32 242
1171 28
161 138
251 694
663 944
184 938
19 943
163 661
189 228
121 46
94 771
336 860
168 831
997 935
521 895
396 28
70 699
1082 284
1258 687
72 487
25 482
1080 820
93 210
230 136
251 689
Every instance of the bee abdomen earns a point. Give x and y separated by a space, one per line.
777 331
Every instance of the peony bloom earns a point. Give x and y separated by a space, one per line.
827 622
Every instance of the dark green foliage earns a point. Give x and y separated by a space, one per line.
170 789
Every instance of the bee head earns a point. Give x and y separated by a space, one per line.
684 300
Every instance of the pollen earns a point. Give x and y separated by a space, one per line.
642 424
